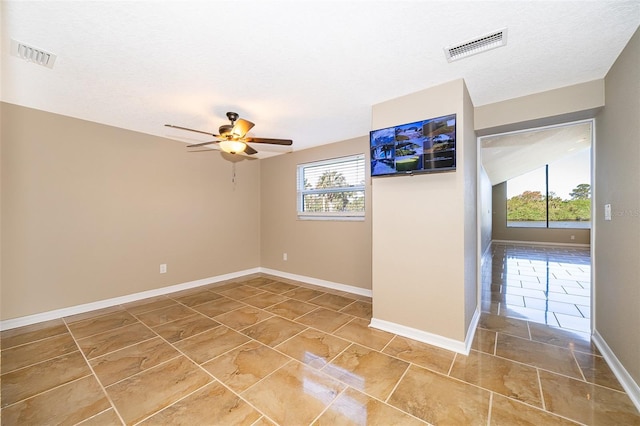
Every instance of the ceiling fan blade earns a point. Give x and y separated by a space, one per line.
250 151
201 144
191 130
267 140
241 127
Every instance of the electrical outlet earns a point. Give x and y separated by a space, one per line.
163 268
573 237
284 256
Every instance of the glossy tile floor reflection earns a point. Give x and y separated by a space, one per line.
547 285
264 352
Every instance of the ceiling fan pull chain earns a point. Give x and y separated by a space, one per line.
233 174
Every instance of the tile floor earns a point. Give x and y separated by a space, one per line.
263 352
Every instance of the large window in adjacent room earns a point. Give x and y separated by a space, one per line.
557 195
332 189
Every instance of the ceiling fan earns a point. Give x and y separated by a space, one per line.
233 137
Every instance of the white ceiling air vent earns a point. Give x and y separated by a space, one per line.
480 44
32 54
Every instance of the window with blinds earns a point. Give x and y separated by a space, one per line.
332 188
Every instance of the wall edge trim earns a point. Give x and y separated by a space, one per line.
106 303
421 336
316 281
629 385
540 243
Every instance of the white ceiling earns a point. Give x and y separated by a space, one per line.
305 70
509 155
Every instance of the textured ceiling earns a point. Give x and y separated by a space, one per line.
305 70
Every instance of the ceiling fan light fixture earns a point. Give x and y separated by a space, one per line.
232 147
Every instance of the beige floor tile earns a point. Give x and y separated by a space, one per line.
198 298
302 293
263 421
273 331
366 370
313 347
67 404
197 409
541 355
564 338
241 292
243 317
29 381
438 399
105 418
355 408
164 315
332 301
91 326
359 308
40 350
499 375
325 319
92 314
245 365
186 327
264 300
507 412
291 308
278 287
208 345
103 343
218 307
258 281
31 333
501 324
595 370
126 362
139 396
358 331
587 403
422 354
141 306
294 395
484 341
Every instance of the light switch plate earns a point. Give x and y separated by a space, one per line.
607 212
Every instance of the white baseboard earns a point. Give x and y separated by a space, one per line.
315 281
540 243
79 309
628 384
430 338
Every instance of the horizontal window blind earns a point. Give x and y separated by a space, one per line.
332 187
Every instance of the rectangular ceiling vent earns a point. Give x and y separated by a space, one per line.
32 54
478 45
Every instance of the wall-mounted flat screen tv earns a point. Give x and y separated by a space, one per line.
420 147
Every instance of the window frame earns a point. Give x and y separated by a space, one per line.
339 215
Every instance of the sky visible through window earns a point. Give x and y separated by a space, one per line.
564 175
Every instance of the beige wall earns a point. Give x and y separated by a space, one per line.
542 235
563 105
617 242
335 251
419 225
89 212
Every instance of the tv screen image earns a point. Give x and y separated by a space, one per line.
419 147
